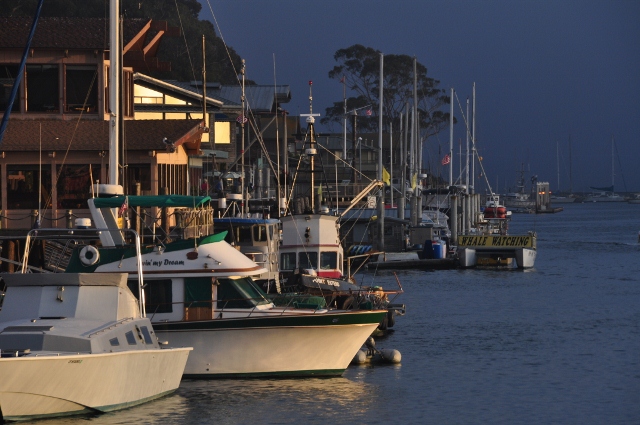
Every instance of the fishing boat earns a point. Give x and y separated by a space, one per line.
312 257
200 293
520 200
79 343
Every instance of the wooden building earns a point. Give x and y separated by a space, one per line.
57 140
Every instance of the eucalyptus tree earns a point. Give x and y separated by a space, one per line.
358 67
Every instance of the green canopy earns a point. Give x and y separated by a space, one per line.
152 201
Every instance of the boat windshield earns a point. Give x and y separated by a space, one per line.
239 293
308 260
328 260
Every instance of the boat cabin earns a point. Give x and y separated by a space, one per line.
312 242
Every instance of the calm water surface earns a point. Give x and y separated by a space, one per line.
559 344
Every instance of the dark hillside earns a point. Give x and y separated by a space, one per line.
184 52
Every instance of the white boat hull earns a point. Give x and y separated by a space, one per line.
35 387
467 257
286 348
526 258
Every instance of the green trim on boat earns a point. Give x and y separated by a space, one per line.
312 320
148 201
320 373
218 237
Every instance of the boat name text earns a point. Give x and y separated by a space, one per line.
326 282
496 241
160 263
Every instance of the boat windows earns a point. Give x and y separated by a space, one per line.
259 233
328 260
131 339
157 294
243 235
146 335
288 261
197 292
239 293
114 342
308 260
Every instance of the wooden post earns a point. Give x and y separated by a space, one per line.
164 216
11 255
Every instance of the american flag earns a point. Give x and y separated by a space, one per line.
123 207
446 159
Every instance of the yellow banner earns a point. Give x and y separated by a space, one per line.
386 177
522 241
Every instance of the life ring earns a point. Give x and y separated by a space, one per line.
89 255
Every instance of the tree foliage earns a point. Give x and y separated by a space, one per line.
359 66
184 52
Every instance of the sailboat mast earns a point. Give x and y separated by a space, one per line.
558 163
242 121
466 180
204 84
473 140
450 153
114 89
612 165
570 169
311 146
380 177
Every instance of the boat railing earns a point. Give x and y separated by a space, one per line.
71 234
196 310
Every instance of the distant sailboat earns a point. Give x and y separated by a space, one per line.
607 194
562 199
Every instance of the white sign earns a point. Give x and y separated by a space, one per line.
371 201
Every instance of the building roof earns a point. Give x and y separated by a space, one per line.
259 98
93 135
64 33
180 90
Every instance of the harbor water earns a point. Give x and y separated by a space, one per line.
557 344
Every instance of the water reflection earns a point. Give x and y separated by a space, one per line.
257 401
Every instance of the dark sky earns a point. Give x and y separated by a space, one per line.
546 72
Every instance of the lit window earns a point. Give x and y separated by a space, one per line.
222 132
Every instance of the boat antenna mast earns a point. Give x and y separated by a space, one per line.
312 150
